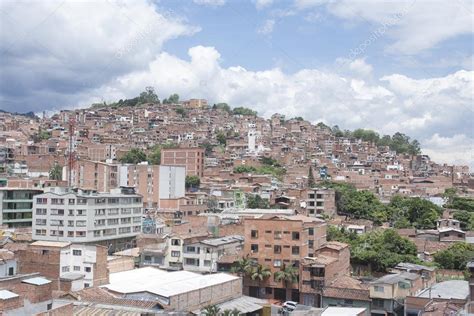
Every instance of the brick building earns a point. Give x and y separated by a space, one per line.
277 242
75 266
191 158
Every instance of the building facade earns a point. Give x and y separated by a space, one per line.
321 202
16 206
74 266
87 216
191 158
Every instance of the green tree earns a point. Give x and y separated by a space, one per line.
192 182
465 218
255 201
56 172
421 213
181 111
211 310
242 267
311 182
243 111
172 99
221 138
148 96
134 156
455 257
288 275
449 195
154 158
208 147
233 312
260 273
44 135
222 106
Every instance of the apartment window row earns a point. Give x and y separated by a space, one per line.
295 250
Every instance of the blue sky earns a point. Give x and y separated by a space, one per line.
381 64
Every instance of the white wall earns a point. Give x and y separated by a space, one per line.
172 182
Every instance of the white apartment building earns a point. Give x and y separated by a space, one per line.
203 256
87 216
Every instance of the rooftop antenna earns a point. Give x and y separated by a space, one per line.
71 151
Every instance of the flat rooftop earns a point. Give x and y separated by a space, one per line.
453 289
163 283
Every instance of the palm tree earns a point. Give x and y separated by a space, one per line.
242 267
228 312
56 172
211 310
260 273
288 274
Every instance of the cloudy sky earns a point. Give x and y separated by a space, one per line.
386 65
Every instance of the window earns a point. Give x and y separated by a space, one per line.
57 212
311 196
71 212
87 285
41 201
277 234
80 234
254 234
311 231
295 250
77 268
319 196
65 269
113 211
175 253
113 221
191 249
40 211
277 263
71 201
125 230
41 232
81 201
81 223
377 302
100 212
191 262
147 258
40 222
319 203
44 252
254 248
88 269
277 249
175 242
57 201
76 252
268 290
81 212
310 244
207 263
295 235
378 288
268 232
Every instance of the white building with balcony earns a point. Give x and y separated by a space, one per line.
86 216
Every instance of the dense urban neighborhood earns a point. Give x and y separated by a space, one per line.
148 207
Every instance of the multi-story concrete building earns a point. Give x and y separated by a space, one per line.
74 266
203 256
87 216
16 206
321 202
161 186
155 183
277 242
191 158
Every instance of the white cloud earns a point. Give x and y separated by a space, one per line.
213 3
267 27
417 107
260 4
53 49
458 149
413 25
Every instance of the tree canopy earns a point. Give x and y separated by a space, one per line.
192 182
243 111
172 99
134 156
378 249
455 256
256 201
